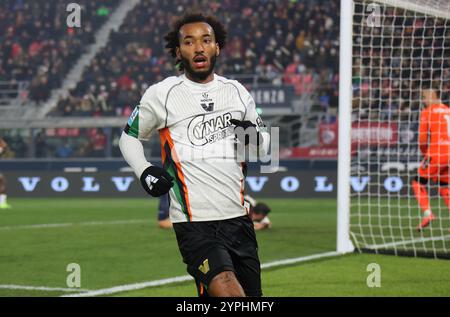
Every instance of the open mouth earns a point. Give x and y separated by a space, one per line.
200 61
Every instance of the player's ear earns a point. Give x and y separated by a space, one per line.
217 49
177 52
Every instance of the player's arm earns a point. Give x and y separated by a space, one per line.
423 131
263 224
258 139
155 180
133 153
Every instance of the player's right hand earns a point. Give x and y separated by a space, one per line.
247 128
156 181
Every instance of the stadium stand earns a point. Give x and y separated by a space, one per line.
301 50
270 43
387 80
37 47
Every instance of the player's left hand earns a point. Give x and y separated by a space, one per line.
248 129
156 181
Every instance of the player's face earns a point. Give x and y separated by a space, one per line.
257 217
426 96
429 97
198 50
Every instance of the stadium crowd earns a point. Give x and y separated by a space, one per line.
38 47
393 64
60 143
287 42
276 42
271 42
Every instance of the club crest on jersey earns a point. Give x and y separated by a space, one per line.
206 102
204 129
204 267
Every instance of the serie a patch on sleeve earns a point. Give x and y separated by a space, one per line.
132 127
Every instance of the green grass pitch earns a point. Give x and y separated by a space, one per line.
117 242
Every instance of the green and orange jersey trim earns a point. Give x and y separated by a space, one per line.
203 289
172 165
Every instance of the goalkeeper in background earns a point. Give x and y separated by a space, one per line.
434 143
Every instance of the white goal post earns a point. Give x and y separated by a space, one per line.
390 50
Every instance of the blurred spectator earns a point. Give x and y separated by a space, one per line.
279 42
41 145
36 45
64 150
98 141
5 151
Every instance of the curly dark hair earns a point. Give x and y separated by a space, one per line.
172 37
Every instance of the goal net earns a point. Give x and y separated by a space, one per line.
399 49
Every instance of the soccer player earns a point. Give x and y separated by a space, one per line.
3 203
200 116
434 143
258 213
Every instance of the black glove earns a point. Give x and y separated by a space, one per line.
156 181
249 129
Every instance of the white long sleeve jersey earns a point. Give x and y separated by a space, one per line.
198 143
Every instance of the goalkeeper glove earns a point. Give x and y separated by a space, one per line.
156 181
248 129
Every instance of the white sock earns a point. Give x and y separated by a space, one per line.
2 199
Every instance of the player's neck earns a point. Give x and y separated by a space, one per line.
434 102
194 79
